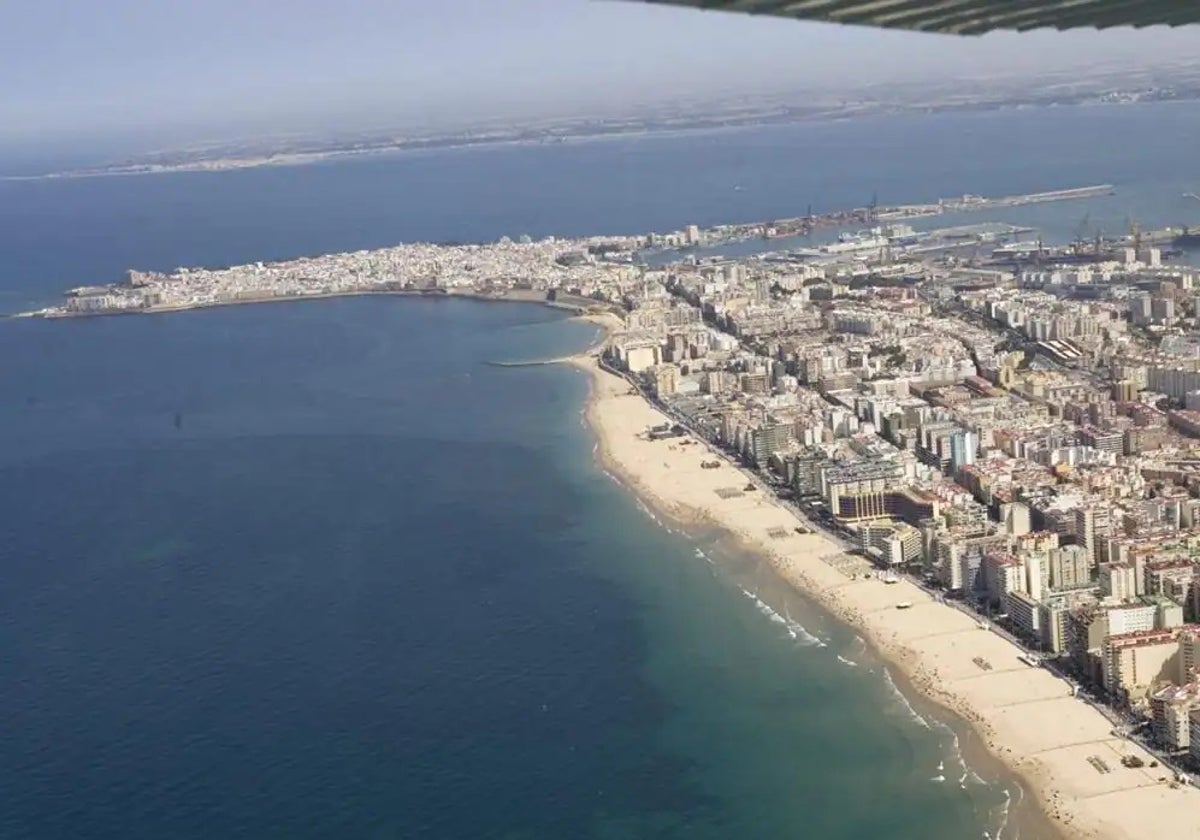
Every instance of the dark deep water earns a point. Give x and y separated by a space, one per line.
369 586
373 587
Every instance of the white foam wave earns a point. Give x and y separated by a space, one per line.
938 778
701 555
846 661
956 750
794 628
648 512
902 700
1005 809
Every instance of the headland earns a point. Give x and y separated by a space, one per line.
580 273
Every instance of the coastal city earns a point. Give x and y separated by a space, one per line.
1008 429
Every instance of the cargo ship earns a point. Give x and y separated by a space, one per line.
864 240
1187 238
1018 249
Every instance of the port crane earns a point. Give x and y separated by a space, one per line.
1081 230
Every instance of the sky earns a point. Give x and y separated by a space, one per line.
223 68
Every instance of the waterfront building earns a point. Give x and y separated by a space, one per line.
665 379
1025 614
769 439
1171 708
1133 662
1003 573
893 543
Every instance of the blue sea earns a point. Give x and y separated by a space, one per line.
317 570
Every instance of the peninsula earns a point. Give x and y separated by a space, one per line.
594 268
983 454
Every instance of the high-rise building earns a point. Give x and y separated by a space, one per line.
769 439
666 378
1035 574
1124 391
1070 567
1170 710
963 447
1162 310
1132 662
1016 518
1117 580
762 290
1140 308
1093 527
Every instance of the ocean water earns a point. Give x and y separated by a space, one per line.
56 233
317 570
369 586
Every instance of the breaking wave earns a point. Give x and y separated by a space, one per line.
902 700
794 628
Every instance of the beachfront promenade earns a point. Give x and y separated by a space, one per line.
1027 716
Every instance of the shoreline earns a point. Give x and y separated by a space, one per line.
774 115
1025 815
1020 717
512 296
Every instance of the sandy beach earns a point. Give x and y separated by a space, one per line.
1062 748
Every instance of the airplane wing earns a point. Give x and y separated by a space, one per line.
968 17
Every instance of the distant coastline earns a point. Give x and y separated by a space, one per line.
264 153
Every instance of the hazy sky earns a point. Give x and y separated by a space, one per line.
79 67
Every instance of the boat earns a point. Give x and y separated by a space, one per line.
848 243
1188 237
904 605
1017 249
902 235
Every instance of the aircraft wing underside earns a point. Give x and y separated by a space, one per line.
967 17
